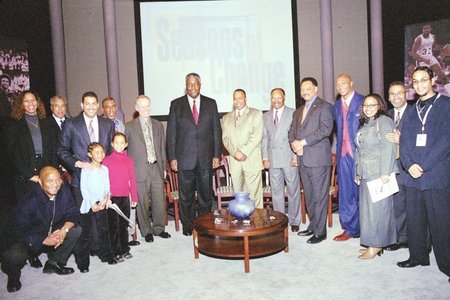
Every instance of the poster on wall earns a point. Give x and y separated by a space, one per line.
14 71
428 44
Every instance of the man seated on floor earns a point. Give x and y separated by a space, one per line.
45 221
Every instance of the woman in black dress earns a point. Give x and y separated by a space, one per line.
33 140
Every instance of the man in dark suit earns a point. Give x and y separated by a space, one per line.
194 140
346 115
424 152
397 97
147 147
309 135
58 106
77 134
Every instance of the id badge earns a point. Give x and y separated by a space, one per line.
421 140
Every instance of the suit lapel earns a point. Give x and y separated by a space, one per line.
82 125
155 134
187 108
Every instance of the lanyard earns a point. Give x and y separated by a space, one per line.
424 120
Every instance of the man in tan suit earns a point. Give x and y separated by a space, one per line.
242 132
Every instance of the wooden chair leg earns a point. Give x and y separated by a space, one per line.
166 216
176 215
303 207
219 202
330 211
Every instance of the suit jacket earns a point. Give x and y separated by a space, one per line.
246 136
23 147
194 145
434 158
401 177
32 217
316 130
74 142
275 143
352 121
375 155
138 150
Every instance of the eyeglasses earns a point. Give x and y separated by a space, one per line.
370 105
422 81
399 94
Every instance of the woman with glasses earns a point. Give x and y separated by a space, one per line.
374 159
33 140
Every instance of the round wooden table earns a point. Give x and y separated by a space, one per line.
219 234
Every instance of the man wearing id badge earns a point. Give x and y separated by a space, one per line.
425 154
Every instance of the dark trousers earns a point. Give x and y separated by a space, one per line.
76 193
118 226
84 244
429 210
15 257
400 214
316 183
189 181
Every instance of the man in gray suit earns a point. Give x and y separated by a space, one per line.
309 137
279 159
147 147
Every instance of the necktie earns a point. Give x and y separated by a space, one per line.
91 131
276 121
151 156
195 113
116 125
61 123
397 119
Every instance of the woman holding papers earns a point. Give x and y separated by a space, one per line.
375 161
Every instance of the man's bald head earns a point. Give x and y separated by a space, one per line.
344 76
50 180
344 85
45 171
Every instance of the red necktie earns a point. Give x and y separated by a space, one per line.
195 113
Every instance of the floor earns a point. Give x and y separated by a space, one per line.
166 269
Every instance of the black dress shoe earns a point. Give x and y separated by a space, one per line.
13 285
35 262
111 261
84 270
187 231
119 258
305 233
164 235
56 268
315 239
133 243
149 238
295 228
395 247
411 264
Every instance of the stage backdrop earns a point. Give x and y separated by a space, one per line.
231 44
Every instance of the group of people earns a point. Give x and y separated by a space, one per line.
111 164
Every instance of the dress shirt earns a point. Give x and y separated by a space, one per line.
401 110
59 121
240 112
279 110
197 103
349 98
